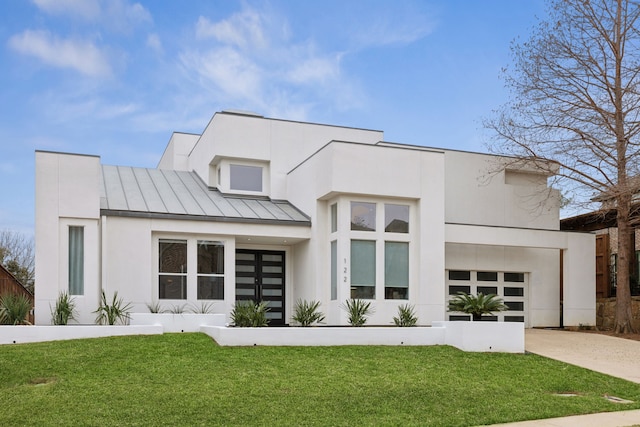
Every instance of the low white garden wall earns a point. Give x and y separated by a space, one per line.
26 334
467 336
182 322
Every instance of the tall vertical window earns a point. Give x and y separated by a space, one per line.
334 217
210 270
76 260
363 216
396 270
245 178
334 270
363 269
173 269
396 218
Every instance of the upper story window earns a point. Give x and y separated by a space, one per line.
245 178
363 216
396 218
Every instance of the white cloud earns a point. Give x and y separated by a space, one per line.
80 55
88 10
153 41
244 30
315 70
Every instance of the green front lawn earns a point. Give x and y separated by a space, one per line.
186 379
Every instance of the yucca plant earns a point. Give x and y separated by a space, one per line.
177 309
476 305
357 310
246 314
155 307
203 308
406 316
110 313
307 312
14 309
64 310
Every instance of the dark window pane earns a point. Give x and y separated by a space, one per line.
486 290
396 218
514 277
210 287
396 293
514 318
363 292
246 178
514 305
454 289
459 318
210 257
363 216
513 292
487 276
459 275
173 287
489 319
173 256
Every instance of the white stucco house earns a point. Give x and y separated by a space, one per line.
276 210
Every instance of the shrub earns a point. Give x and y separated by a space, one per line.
406 316
357 311
155 307
109 314
177 309
203 308
64 310
476 305
307 313
14 309
250 314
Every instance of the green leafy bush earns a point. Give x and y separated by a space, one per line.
110 313
246 314
406 316
357 310
307 312
64 310
476 305
14 309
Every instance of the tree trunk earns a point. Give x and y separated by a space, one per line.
624 315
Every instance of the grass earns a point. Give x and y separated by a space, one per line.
186 379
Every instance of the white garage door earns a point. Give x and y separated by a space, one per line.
510 286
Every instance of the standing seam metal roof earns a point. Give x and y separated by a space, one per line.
128 191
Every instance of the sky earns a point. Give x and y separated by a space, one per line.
115 78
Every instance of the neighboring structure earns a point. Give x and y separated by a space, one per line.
10 285
276 210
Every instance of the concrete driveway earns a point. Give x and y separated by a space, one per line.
617 357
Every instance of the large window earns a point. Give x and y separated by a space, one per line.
396 270
245 178
210 270
363 269
76 260
173 269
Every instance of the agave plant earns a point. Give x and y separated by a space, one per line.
250 314
203 308
406 316
110 313
357 311
155 307
307 312
64 310
177 309
14 309
476 305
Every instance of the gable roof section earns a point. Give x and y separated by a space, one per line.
157 193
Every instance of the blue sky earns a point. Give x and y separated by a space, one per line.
114 78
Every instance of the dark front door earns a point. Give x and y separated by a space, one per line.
260 277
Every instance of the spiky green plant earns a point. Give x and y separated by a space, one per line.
203 308
110 313
64 310
155 307
357 311
307 312
14 309
250 314
406 316
476 305
177 309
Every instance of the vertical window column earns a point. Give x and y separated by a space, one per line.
172 269
210 270
76 260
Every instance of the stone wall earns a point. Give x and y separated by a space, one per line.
606 311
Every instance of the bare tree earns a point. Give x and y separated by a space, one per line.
575 103
17 256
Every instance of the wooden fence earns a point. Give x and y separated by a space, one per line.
10 285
